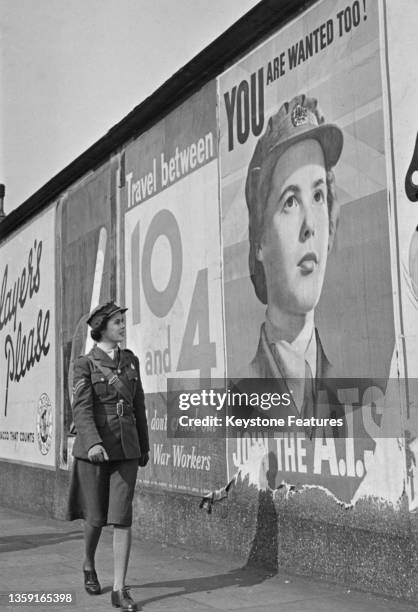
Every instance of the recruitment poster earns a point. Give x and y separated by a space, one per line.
404 164
307 241
173 286
27 341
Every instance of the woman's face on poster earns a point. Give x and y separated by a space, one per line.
294 245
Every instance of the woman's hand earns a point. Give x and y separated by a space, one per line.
97 454
143 460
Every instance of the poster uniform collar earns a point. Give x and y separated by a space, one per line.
295 353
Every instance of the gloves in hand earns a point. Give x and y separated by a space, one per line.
143 460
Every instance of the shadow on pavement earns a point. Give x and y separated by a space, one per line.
241 577
23 542
262 558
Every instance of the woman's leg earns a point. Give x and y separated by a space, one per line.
121 548
91 539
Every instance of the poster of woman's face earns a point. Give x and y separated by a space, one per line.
294 244
302 151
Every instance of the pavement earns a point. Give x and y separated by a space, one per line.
43 555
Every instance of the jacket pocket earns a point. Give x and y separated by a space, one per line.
99 383
132 375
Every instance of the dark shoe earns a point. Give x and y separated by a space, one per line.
91 583
122 599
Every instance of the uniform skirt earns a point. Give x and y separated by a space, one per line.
102 493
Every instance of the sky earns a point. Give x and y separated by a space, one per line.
71 69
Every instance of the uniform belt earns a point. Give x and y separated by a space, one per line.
120 408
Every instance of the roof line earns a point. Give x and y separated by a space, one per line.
237 40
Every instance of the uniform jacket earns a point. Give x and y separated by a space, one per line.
123 437
264 376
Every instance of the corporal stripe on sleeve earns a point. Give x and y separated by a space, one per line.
78 385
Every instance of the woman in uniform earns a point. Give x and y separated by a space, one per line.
111 441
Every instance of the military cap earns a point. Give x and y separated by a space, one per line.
299 119
103 312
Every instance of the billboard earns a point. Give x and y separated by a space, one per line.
402 96
307 243
173 283
87 272
27 340
265 229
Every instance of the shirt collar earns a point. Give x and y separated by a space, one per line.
107 348
303 348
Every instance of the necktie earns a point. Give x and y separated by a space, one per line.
308 395
293 367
